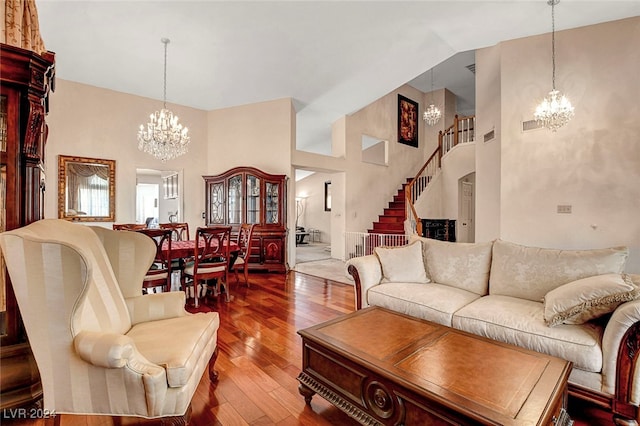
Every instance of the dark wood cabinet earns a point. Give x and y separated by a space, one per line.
249 195
26 79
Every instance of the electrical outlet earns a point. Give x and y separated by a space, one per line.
564 208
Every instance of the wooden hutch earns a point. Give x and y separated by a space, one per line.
249 195
26 79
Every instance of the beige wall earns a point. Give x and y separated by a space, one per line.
88 121
593 163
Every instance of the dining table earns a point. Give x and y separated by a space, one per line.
186 249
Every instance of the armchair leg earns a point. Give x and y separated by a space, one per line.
213 375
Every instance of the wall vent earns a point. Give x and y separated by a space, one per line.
472 68
530 125
489 135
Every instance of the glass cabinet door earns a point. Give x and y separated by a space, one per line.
216 203
234 208
253 199
272 208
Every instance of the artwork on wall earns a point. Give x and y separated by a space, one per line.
407 121
327 196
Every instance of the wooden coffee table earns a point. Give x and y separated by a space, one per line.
382 367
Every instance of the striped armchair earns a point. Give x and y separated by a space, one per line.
102 347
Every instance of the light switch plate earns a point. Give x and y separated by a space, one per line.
564 208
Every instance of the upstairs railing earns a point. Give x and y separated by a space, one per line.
461 131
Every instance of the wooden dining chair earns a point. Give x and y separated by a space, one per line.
159 274
129 226
245 236
180 230
211 262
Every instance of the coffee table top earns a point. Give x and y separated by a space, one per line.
482 377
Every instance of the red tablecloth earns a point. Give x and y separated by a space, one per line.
183 249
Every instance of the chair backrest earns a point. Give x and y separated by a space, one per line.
129 226
180 230
130 254
212 250
245 237
162 240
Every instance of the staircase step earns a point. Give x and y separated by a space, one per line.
394 212
398 226
396 204
385 231
392 219
400 198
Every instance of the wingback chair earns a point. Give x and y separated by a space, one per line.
101 346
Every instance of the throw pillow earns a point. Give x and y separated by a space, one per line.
402 264
580 301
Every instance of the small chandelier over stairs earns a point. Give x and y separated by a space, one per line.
432 114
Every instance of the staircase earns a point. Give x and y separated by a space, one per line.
392 221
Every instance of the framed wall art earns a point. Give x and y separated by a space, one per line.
407 121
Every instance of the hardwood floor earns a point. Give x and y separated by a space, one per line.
260 358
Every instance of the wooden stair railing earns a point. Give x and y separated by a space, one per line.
461 131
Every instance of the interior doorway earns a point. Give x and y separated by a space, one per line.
158 196
466 209
313 215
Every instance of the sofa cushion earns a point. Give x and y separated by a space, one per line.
462 265
433 302
176 343
531 272
402 264
582 300
521 322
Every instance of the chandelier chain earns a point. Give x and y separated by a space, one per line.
553 44
164 95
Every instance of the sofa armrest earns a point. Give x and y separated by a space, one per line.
621 352
156 306
366 272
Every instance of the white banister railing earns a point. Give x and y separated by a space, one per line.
461 131
362 243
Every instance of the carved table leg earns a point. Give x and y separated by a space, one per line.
306 392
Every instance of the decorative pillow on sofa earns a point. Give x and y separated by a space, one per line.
402 264
462 265
531 272
580 301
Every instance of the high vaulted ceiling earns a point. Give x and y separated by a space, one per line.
331 57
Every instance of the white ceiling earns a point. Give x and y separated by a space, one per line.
331 57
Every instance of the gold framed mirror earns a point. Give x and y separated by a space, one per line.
86 189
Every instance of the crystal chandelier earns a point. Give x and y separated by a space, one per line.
432 114
555 110
164 137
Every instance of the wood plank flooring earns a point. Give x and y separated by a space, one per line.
260 358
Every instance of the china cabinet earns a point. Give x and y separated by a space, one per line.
26 79
248 195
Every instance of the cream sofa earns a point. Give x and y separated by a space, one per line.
101 346
574 304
